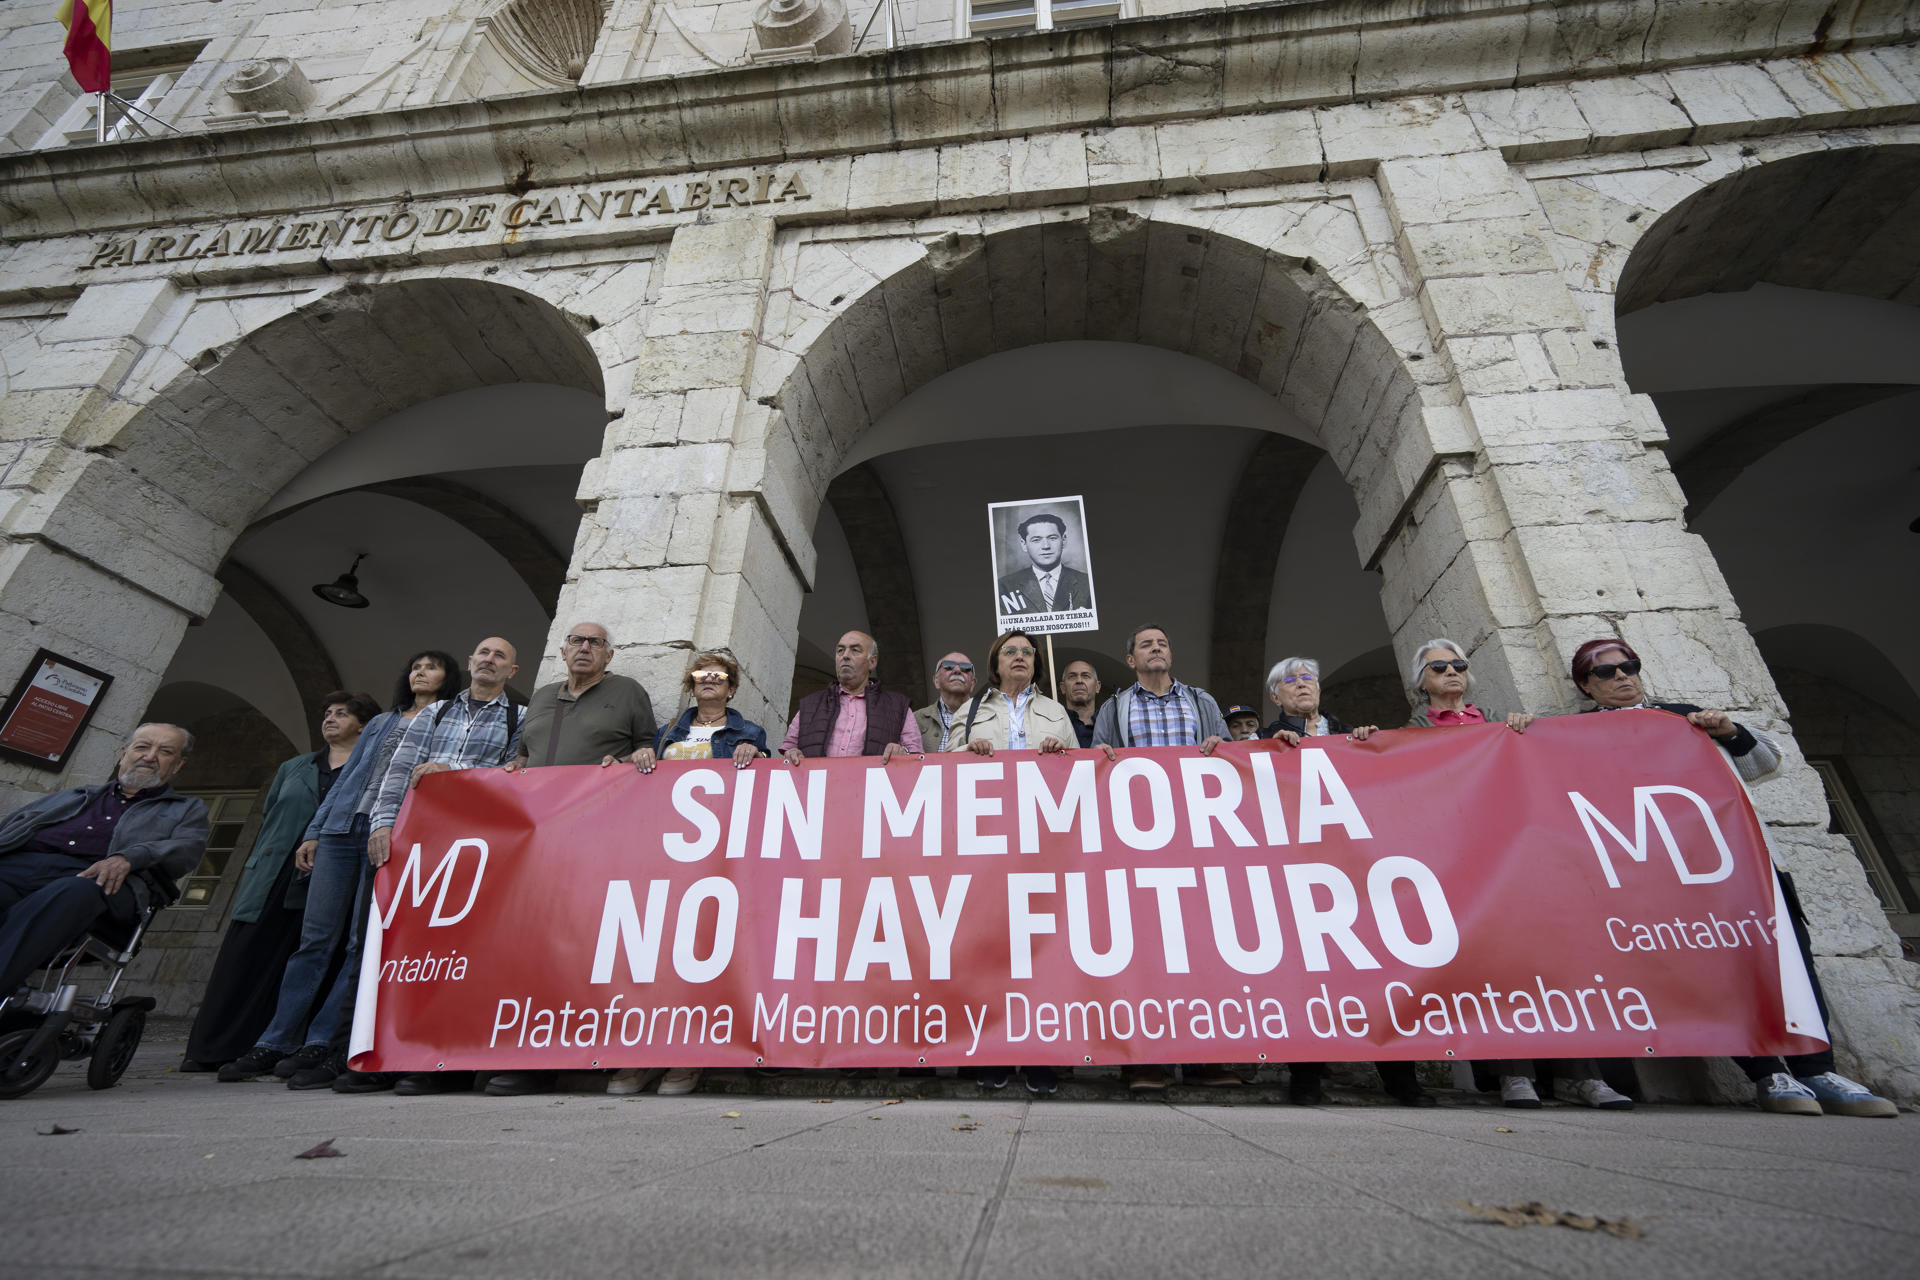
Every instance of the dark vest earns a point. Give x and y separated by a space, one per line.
886 712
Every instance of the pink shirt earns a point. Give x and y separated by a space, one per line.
850 728
1446 715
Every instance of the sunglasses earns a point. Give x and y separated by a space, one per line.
1438 668
962 667
708 673
1296 679
1605 670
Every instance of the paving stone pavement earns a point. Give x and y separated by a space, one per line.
177 1175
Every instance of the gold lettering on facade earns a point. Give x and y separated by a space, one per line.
563 210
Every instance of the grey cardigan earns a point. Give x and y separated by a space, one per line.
163 831
1110 726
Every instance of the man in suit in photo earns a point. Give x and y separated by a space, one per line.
1046 585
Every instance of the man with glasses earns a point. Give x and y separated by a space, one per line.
591 717
952 686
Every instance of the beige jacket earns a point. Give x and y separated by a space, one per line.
928 718
1045 719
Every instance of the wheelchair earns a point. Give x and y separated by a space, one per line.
48 1021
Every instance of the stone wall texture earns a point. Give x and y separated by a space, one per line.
1408 221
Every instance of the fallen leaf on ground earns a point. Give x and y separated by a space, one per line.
1534 1214
818 1101
966 1128
729 1115
893 1102
55 1132
325 1151
1500 1128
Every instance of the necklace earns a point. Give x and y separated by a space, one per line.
705 723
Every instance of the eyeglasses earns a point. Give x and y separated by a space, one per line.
1439 668
1018 651
585 642
1605 670
964 668
708 673
1296 679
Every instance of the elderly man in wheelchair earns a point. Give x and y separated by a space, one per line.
81 873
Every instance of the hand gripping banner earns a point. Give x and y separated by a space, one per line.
1598 886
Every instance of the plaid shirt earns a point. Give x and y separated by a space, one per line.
467 737
1162 720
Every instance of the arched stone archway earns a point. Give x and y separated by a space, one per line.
859 328
1791 461
139 492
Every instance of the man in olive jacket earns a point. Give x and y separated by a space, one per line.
69 858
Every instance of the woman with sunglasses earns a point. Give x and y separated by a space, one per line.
708 730
1442 674
1608 672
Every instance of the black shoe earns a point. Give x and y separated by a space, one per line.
1308 1096
518 1084
1041 1082
993 1077
257 1061
351 1081
307 1055
1414 1097
190 1066
322 1074
421 1083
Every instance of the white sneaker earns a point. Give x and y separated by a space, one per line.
1598 1093
628 1081
1517 1091
1783 1095
678 1081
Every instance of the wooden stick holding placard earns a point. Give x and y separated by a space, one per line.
1052 674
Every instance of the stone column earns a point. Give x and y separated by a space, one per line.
1564 523
98 564
686 541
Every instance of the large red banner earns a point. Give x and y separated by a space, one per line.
1597 886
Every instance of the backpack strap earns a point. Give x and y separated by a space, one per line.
973 709
513 716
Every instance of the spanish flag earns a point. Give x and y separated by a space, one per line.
89 25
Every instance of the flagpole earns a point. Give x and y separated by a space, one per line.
100 117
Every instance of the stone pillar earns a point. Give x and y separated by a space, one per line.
1564 522
98 564
686 541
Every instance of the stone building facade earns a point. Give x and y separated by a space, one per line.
1458 258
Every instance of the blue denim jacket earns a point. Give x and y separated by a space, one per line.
334 817
726 739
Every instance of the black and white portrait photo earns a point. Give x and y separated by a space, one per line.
1043 570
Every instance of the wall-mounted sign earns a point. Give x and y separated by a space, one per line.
512 217
50 705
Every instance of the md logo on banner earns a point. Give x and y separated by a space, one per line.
1648 813
450 872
